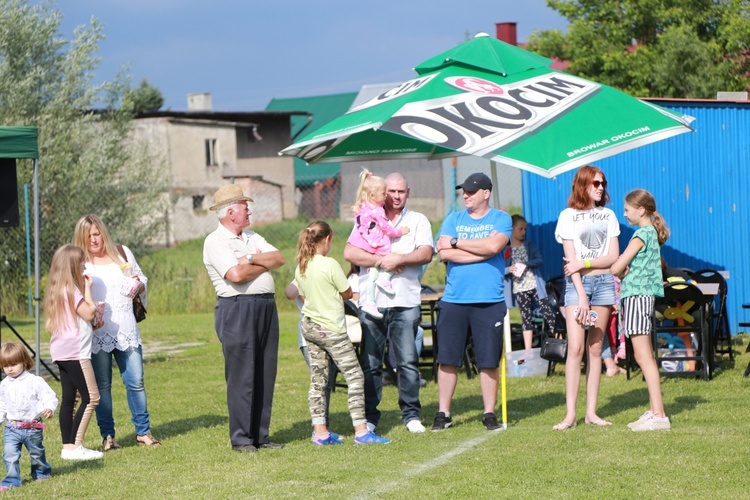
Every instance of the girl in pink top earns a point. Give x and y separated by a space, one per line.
372 233
69 313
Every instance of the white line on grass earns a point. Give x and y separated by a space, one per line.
427 466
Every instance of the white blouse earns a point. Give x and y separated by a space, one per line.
120 330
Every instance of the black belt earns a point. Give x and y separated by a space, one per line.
249 297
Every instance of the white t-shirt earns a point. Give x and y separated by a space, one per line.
591 230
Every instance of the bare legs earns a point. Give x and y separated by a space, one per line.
448 377
576 341
644 356
528 338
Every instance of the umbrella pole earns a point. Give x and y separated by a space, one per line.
503 369
495 190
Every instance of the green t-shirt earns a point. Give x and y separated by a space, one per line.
321 285
644 276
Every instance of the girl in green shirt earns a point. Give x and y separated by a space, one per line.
639 266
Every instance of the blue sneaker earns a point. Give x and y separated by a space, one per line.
370 438
333 438
337 437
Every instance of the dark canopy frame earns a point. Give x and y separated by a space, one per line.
21 143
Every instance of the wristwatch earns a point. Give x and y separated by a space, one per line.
250 258
454 242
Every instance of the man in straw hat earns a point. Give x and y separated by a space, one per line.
238 261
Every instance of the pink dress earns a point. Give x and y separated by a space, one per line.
374 231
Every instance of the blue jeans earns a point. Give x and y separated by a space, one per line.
130 363
13 439
401 324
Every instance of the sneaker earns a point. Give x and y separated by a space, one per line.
490 422
441 422
372 311
335 436
415 426
370 438
385 286
109 443
330 440
81 453
644 417
652 424
4 488
422 382
371 427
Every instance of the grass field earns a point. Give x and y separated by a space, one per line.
705 455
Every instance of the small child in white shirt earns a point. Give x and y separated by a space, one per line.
24 399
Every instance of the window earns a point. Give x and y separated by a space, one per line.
198 202
211 158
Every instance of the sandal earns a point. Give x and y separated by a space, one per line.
148 440
109 443
564 426
599 422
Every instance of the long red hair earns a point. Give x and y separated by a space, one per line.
579 196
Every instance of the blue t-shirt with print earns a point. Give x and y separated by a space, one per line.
478 282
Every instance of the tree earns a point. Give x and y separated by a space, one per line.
145 97
654 48
88 162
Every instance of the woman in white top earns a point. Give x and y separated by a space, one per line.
118 337
588 232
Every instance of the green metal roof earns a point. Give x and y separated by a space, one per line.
323 109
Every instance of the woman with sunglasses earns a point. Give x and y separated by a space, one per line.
588 232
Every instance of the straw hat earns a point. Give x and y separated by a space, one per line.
228 195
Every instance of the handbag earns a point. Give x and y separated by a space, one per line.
139 310
554 349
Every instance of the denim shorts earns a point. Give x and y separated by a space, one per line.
599 288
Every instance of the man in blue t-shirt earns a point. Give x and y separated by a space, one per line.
470 243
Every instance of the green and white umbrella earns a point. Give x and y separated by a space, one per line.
493 100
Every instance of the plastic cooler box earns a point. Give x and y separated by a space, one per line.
525 363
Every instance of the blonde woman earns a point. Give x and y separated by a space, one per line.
119 338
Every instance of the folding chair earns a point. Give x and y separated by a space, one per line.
681 337
717 315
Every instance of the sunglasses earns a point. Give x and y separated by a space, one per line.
596 184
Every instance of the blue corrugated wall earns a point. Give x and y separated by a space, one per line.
701 182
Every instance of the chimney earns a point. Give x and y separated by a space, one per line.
507 33
199 102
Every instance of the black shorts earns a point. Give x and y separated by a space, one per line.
486 324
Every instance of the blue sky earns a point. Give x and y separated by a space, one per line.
247 52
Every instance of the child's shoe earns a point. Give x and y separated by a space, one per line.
646 416
81 453
337 437
652 424
385 285
370 438
371 311
330 440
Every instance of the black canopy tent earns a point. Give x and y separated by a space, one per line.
20 143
